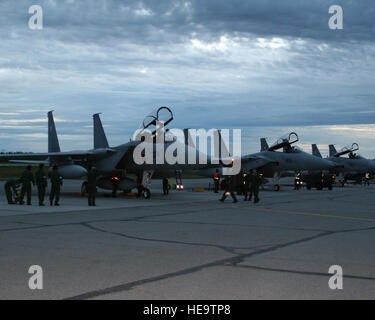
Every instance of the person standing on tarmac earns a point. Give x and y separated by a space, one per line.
8 187
56 183
27 179
91 185
114 181
247 186
216 181
255 182
165 186
41 183
229 188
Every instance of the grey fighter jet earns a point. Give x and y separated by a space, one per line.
113 163
274 164
353 167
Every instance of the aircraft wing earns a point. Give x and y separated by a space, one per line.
42 156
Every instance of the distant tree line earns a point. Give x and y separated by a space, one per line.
15 152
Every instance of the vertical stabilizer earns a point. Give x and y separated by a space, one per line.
100 139
332 150
188 138
315 151
263 144
223 150
53 142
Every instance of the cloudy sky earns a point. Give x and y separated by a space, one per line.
267 67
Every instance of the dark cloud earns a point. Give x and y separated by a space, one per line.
217 63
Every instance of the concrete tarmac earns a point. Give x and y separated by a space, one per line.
188 245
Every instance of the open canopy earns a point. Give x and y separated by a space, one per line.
348 150
163 115
284 142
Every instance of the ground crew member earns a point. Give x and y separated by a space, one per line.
56 183
91 185
216 181
166 186
246 185
8 187
27 179
114 181
41 183
255 182
229 188
367 179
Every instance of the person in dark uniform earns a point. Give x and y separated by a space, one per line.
255 182
114 181
246 186
41 183
91 185
166 186
27 179
216 181
56 183
229 188
8 187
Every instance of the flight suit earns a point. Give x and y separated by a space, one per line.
56 183
91 186
246 186
255 182
41 183
115 182
27 179
216 182
229 188
8 187
165 186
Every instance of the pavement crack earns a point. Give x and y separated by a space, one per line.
222 262
312 273
229 249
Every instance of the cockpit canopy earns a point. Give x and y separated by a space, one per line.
348 150
162 115
284 142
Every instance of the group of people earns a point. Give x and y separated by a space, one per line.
40 180
249 186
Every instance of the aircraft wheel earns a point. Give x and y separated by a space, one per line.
276 187
84 188
146 193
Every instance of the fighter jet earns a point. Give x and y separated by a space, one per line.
113 163
65 160
353 167
274 164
